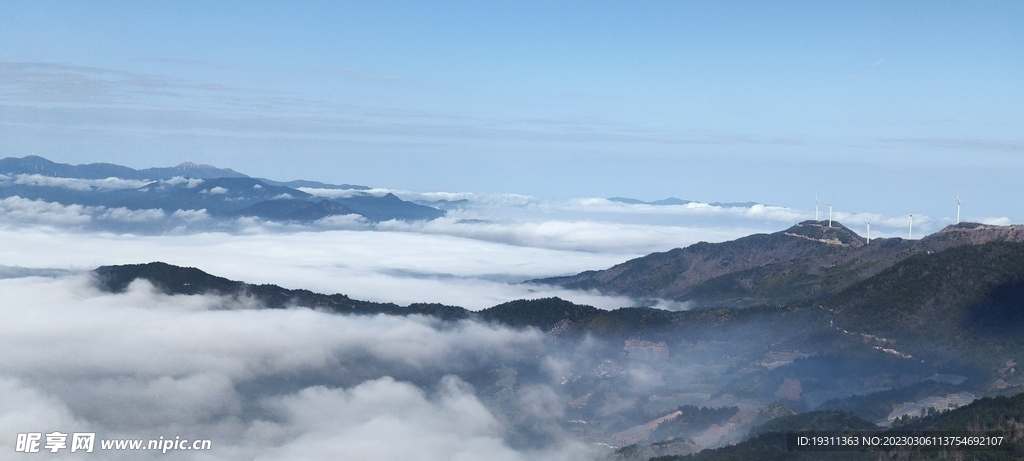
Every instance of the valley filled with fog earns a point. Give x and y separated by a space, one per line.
298 383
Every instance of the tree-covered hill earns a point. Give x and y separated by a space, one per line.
768 441
806 263
964 305
172 279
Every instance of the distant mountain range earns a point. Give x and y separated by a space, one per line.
222 193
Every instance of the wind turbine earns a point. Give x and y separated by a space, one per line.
910 235
958 203
815 208
868 222
830 210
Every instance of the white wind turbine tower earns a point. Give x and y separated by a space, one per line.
868 222
830 210
910 235
958 203
815 208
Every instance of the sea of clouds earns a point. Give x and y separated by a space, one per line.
302 384
260 384
476 256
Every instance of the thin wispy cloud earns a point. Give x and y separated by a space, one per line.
54 83
1009 145
379 79
126 102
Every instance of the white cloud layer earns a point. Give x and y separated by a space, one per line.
591 236
398 267
144 365
712 222
21 211
387 420
78 184
474 257
190 183
300 384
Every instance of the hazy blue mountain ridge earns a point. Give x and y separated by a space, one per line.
223 193
34 164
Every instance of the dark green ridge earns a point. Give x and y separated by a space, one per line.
809 262
191 281
971 292
546 314
768 441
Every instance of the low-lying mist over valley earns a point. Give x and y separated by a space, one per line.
302 320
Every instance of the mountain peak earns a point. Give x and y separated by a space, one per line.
195 170
195 165
977 233
822 231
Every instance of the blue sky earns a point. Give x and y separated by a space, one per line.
886 106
